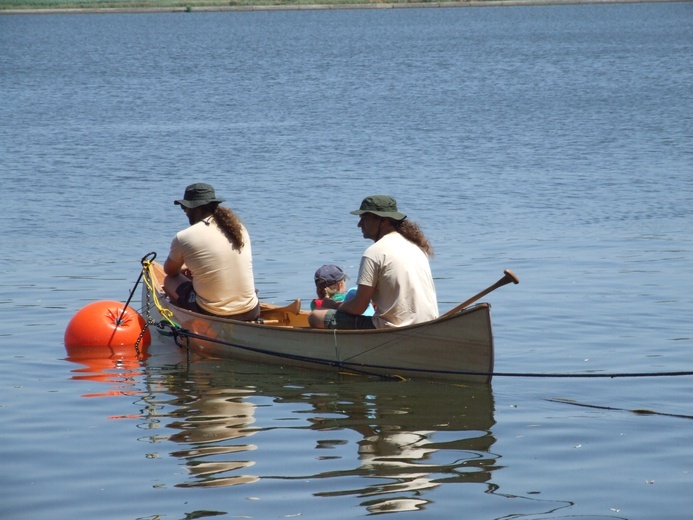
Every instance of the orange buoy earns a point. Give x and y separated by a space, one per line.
102 329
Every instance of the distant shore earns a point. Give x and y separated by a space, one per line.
197 6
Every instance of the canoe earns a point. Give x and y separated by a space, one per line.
456 347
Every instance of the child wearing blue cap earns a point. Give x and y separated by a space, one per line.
330 283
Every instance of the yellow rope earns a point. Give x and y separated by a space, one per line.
167 314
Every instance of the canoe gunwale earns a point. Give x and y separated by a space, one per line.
221 319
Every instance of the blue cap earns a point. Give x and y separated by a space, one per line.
327 275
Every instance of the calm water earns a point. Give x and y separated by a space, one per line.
555 141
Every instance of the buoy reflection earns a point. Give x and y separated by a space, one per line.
119 369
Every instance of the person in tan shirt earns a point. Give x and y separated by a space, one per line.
210 265
394 273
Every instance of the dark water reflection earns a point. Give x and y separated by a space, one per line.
410 437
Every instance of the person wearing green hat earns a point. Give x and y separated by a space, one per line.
394 274
210 265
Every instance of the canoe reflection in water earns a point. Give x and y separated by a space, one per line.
208 423
405 437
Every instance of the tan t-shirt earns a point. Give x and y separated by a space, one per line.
401 275
222 276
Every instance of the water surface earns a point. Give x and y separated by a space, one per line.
554 141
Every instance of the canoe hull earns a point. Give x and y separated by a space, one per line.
455 348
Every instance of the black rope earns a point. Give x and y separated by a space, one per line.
132 293
533 374
637 411
610 375
177 331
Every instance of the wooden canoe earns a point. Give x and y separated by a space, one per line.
457 347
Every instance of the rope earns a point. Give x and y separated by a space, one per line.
145 260
529 374
610 375
147 267
639 411
178 333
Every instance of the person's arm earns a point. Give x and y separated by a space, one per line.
172 267
359 303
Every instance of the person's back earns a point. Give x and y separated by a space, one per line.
222 276
399 271
210 266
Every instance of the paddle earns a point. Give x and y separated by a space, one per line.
508 276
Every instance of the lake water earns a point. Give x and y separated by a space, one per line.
554 141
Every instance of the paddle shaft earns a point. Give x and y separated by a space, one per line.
508 277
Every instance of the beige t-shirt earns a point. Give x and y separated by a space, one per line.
401 275
222 276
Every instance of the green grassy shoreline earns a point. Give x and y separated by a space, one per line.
106 6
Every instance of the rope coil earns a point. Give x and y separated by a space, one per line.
167 314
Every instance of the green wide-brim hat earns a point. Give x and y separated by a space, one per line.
380 205
198 194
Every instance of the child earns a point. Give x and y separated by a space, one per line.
330 282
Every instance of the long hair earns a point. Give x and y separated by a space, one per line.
412 232
230 225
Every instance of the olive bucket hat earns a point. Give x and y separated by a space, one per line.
380 205
198 194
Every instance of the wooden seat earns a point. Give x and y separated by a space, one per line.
283 316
